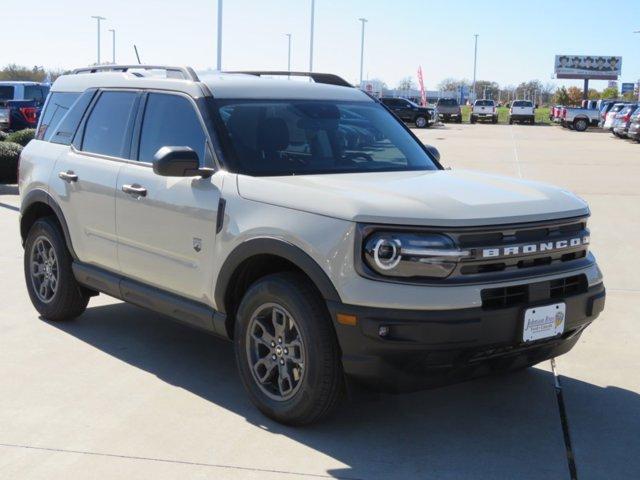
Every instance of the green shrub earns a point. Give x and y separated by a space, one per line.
9 154
3 136
22 136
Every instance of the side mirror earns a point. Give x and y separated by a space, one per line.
176 162
433 151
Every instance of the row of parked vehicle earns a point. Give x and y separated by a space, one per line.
448 110
619 117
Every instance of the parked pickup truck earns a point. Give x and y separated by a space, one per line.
449 109
522 111
20 104
484 110
579 119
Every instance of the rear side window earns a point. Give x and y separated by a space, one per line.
6 92
108 123
35 92
170 120
57 107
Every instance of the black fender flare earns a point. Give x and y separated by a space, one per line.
40 196
280 248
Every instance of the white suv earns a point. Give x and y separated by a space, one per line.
304 222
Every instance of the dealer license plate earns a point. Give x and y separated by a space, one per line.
543 322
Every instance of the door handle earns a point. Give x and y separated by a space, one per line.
68 176
135 190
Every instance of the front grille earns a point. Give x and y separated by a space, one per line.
500 238
505 297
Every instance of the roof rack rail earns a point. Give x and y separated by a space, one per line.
186 73
327 78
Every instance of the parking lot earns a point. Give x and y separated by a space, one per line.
123 393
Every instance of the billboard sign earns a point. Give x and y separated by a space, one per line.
595 67
627 87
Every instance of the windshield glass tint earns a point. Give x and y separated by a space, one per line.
297 137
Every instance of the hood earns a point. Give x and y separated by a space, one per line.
427 198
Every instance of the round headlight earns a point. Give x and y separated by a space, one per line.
386 253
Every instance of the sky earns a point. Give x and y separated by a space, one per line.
517 39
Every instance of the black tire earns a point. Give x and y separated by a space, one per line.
532 121
421 122
580 124
321 384
68 300
511 121
472 119
494 120
459 119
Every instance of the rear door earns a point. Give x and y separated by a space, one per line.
84 178
167 226
7 93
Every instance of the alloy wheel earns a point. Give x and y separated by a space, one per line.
275 351
44 269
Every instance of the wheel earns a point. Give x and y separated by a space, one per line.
532 121
580 124
52 287
494 120
472 119
286 350
511 121
421 122
459 119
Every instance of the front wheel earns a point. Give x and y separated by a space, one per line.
52 287
421 122
286 350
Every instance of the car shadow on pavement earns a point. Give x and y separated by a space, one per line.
6 189
497 427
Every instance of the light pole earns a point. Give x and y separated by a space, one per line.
363 20
219 61
475 63
99 19
313 8
113 45
288 52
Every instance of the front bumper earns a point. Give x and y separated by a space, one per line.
430 348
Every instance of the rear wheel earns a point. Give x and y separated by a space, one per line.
580 124
52 287
494 120
459 119
286 350
472 119
511 121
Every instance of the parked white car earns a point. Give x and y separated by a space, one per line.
484 110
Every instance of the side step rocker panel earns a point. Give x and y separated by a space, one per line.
188 311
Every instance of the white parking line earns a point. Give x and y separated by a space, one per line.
515 151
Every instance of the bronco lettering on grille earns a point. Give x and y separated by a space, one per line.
535 247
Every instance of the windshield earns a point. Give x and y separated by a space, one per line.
298 137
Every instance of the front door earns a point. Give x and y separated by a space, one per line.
167 225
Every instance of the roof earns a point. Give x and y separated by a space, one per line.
19 82
241 86
221 85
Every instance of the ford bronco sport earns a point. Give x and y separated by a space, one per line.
304 222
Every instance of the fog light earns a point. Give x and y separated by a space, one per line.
383 331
